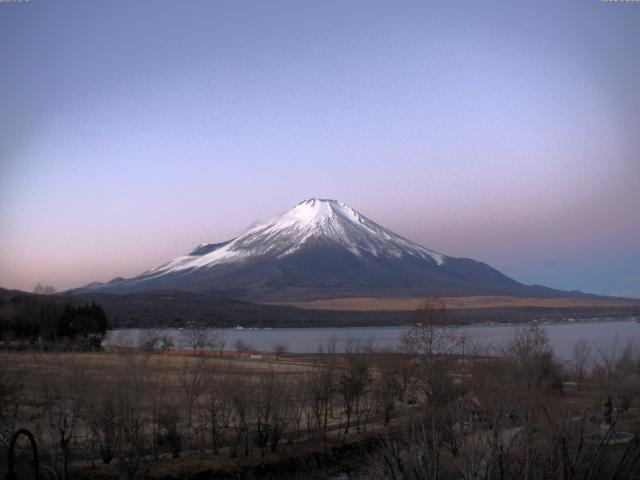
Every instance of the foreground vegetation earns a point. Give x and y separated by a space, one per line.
418 413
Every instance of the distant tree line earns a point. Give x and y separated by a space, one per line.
47 320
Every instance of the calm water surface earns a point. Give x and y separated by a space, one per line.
563 336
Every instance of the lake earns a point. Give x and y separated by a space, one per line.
562 335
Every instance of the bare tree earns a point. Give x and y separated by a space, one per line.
157 392
298 391
413 453
240 346
353 379
320 390
191 380
280 349
580 358
388 387
149 340
11 395
617 370
196 337
241 401
531 356
218 340
218 407
136 377
269 411
60 385
430 336
101 417
628 374
430 330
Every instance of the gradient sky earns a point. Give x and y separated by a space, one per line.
508 132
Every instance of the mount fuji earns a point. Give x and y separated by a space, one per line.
321 249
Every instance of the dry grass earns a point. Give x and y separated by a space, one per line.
393 304
108 368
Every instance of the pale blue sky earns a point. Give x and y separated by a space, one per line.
502 131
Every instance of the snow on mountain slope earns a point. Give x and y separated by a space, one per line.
315 220
319 249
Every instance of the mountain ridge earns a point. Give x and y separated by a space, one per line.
322 248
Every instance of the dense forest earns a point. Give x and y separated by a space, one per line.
50 321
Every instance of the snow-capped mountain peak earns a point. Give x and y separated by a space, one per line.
319 249
328 222
313 215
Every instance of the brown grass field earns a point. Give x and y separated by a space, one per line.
32 367
153 399
362 304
